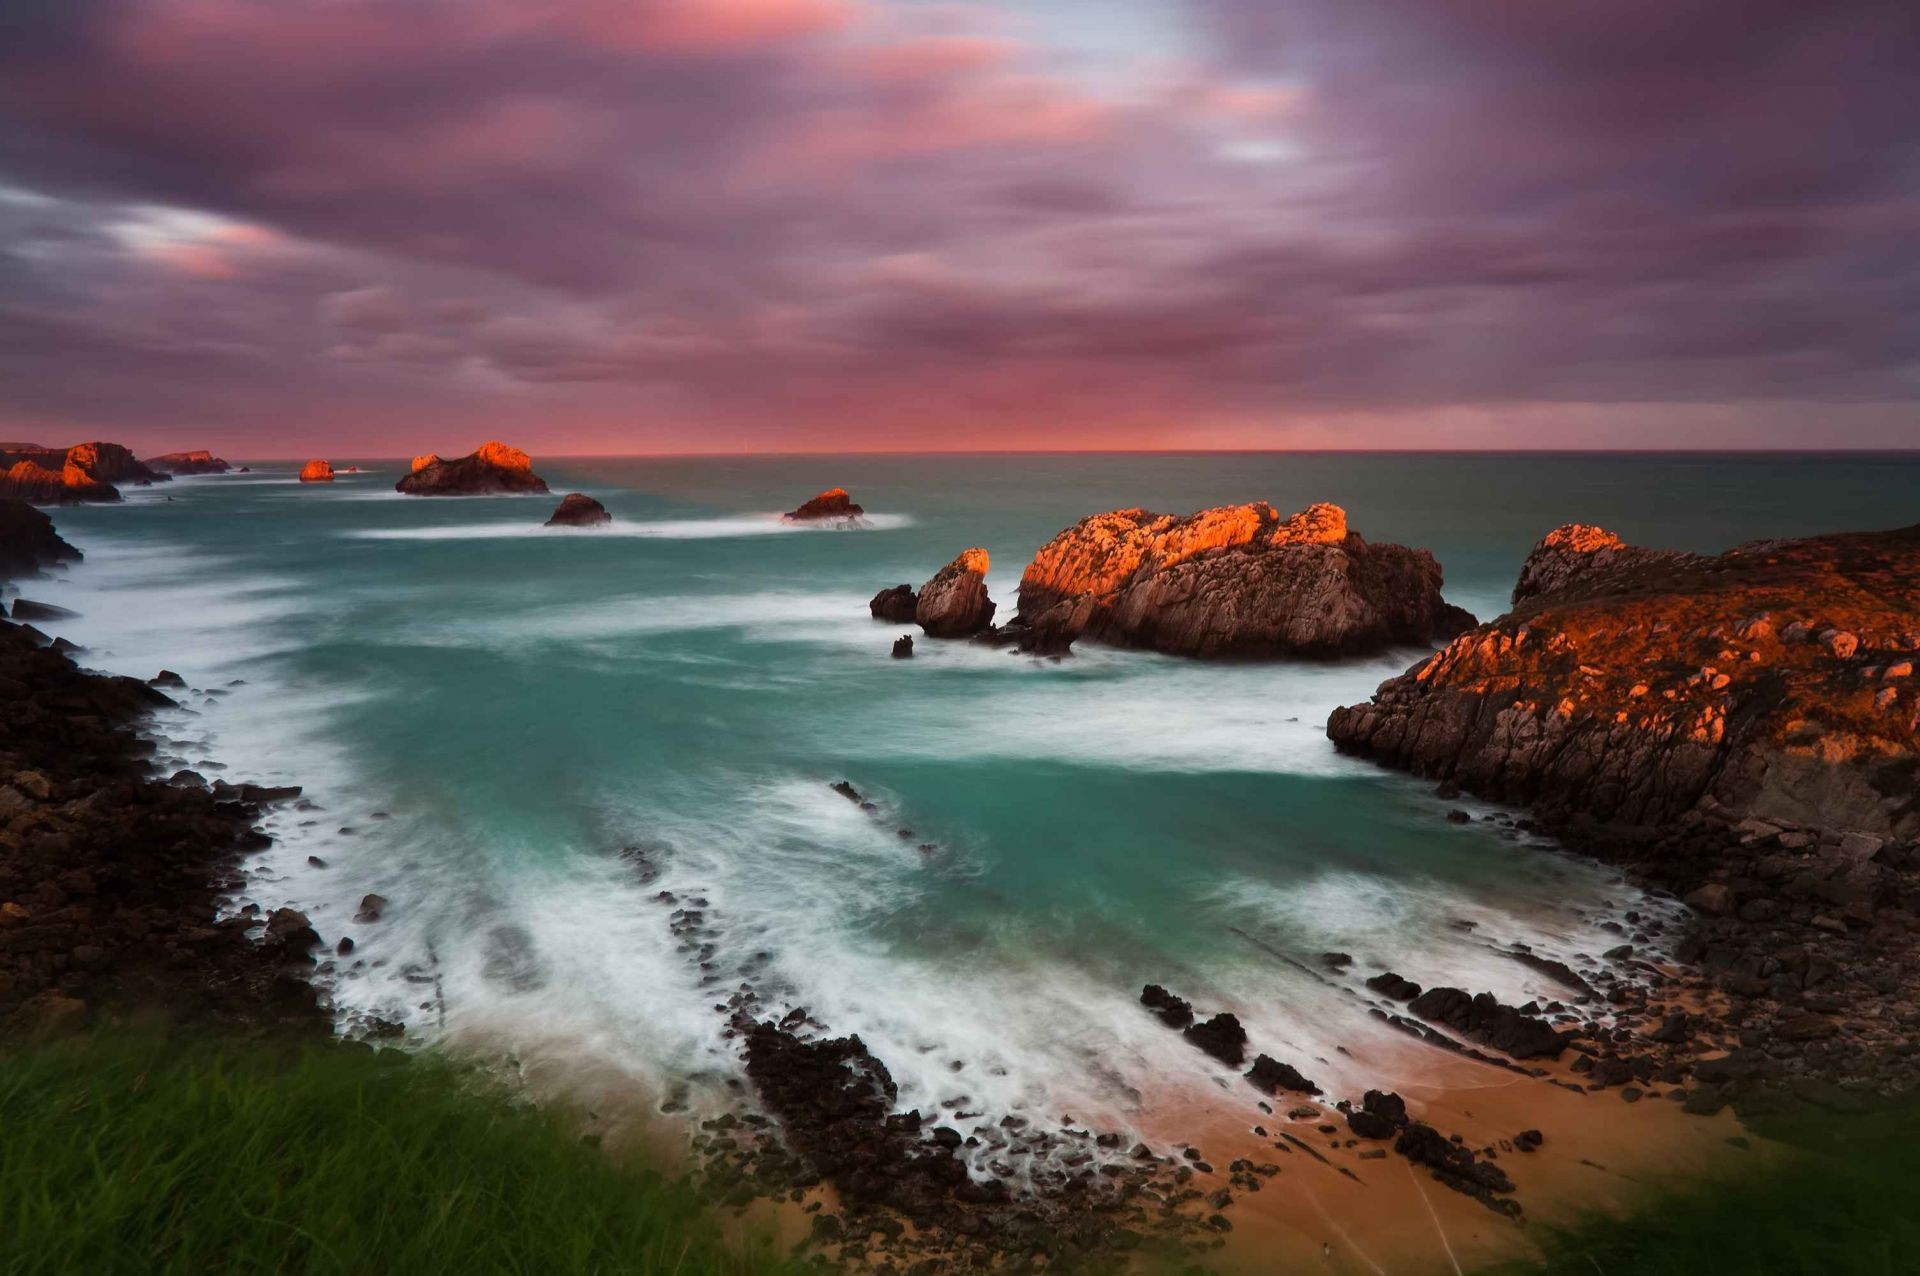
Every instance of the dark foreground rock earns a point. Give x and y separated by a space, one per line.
28 542
834 503
1482 1018
1239 581
491 469
577 509
895 606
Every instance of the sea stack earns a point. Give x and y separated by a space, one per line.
28 541
954 604
492 469
577 509
1235 582
196 462
834 503
316 471
1775 682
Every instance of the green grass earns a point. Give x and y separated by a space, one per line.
146 1155
1846 1204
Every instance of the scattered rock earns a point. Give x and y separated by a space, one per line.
316 471
834 503
577 509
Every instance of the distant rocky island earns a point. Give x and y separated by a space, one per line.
492 468
196 462
86 472
834 503
316 471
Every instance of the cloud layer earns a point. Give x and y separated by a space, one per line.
682 224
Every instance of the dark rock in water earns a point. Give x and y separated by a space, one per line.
1554 969
896 606
1484 1019
197 462
316 471
954 604
903 647
1173 1011
577 509
290 928
1394 987
834 503
1270 1076
1381 1115
1336 961
167 678
28 541
1222 1037
490 469
27 609
1239 581
847 791
371 908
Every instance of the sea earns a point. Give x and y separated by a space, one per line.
538 744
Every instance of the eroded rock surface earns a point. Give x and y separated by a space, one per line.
954 604
316 471
834 503
1237 581
490 469
28 541
199 461
577 509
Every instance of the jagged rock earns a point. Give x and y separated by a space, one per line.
1222 1037
490 469
1270 1076
35 484
28 541
954 604
1381 1115
1237 581
834 503
577 509
1632 688
903 647
1175 1012
316 471
200 461
1483 1018
1455 1165
1393 986
423 461
897 605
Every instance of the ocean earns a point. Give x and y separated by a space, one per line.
521 737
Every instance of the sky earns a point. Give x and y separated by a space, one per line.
382 227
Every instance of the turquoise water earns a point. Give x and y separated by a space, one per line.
520 705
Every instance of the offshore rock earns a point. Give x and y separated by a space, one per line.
830 504
492 468
28 542
577 509
1773 682
196 462
1236 581
954 604
896 605
422 462
35 484
316 471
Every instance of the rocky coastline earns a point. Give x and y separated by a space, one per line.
490 469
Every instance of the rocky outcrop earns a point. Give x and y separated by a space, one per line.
35 484
492 469
577 509
196 462
1238 581
316 471
111 463
28 542
834 503
954 604
422 462
1776 680
897 605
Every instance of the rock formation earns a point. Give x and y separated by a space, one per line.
316 472
33 483
1238 581
903 647
422 462
954 604
68 476
1629 686
28 542
577 509
830 504
196 462
493 468
895 606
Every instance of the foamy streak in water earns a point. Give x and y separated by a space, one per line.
656 529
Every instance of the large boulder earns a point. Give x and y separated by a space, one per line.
834 503
1628 687
577 509
954 604
200 461
316 471
897 605
28 541
1238 581
491 469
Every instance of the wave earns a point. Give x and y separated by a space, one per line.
658 529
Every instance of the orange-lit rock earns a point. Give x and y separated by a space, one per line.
577 509
196 462
111 463
832 503
422 462
35 484
954 604
1238 581
1631 685
66 476
492 468
316 471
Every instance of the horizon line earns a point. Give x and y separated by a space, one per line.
1250 451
